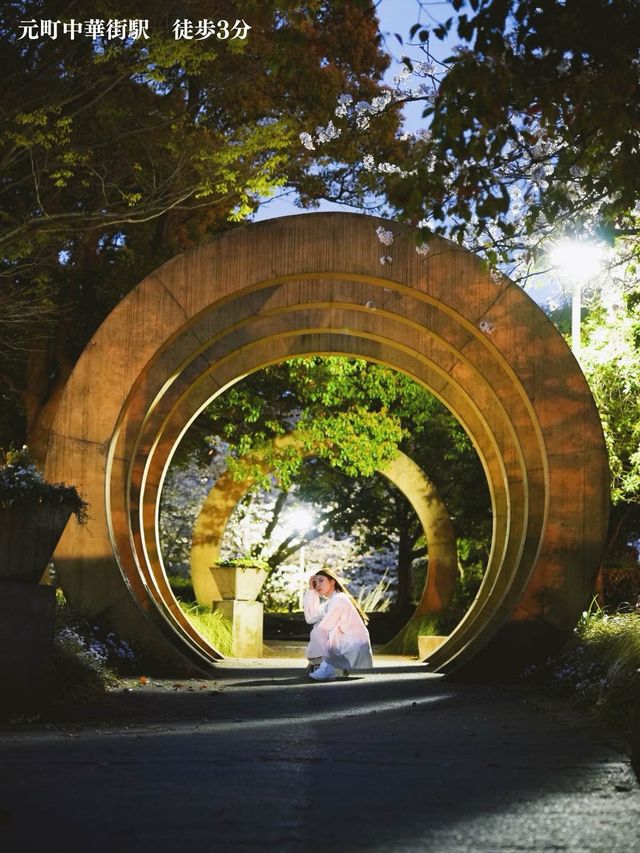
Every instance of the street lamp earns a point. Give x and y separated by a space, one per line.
299 521
577 261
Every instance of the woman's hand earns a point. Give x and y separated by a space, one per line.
312 582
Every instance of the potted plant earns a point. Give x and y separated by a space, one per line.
33 515
240 578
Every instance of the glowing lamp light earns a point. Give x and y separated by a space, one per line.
300 520
577 260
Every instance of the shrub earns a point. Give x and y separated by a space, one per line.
597 667
21 484
86 659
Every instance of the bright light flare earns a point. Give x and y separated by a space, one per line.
577 260
300 520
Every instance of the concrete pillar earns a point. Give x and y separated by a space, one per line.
246 618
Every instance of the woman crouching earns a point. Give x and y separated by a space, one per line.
339 639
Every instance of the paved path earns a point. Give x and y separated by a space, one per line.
261 759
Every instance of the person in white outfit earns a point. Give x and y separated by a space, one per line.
339 640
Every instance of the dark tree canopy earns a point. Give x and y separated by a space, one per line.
534 119
118 154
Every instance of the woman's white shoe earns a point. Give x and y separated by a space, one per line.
325 672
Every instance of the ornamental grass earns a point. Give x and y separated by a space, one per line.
597 669
211 624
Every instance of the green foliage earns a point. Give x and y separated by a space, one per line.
182 588
211 624
533 119
406 641
441 624
245 563
375 599
347 411
78 678
22 484
86 659
612 368
621 586
597 668
352 417
118 155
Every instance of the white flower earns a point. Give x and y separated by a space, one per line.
380 102
326 134
426 68
368 162
390 169
385 259
423 249
496 276
402 76
385 237
307 141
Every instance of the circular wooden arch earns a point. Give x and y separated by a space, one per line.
314 284
409 478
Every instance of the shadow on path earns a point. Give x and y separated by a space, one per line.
388 761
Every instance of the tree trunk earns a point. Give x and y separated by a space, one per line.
407 539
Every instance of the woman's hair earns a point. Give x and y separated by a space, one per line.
342 587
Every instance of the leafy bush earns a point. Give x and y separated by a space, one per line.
597 667
245 563
182 588
21 484
621 585
86 660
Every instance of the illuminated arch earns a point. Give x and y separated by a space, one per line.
314 284
223 497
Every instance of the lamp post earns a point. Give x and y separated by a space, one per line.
578 262
299 521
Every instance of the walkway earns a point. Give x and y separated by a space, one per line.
261 759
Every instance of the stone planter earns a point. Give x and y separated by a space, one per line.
235 598
239 583
28 537
428 644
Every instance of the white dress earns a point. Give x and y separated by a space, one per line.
338 635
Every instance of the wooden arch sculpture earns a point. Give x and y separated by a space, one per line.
409 478
314 284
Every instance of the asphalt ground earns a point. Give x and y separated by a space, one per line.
260 758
